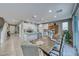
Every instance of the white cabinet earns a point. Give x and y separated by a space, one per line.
23 31
30 37
12 29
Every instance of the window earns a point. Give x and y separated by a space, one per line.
65 26
78 25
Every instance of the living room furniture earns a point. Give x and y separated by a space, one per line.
46 44
57 50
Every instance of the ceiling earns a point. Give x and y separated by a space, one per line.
13 13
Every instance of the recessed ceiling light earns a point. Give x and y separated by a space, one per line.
55 16
50 11
34 16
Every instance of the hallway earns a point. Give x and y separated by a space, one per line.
11 47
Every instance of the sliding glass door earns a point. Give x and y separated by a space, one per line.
75 32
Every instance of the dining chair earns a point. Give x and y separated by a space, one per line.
58 47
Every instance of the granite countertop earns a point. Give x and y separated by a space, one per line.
46 46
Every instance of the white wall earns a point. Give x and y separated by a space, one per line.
42 27
59 29
21 30
4 33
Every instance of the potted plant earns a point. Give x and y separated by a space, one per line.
67 37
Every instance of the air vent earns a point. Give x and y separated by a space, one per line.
58 11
